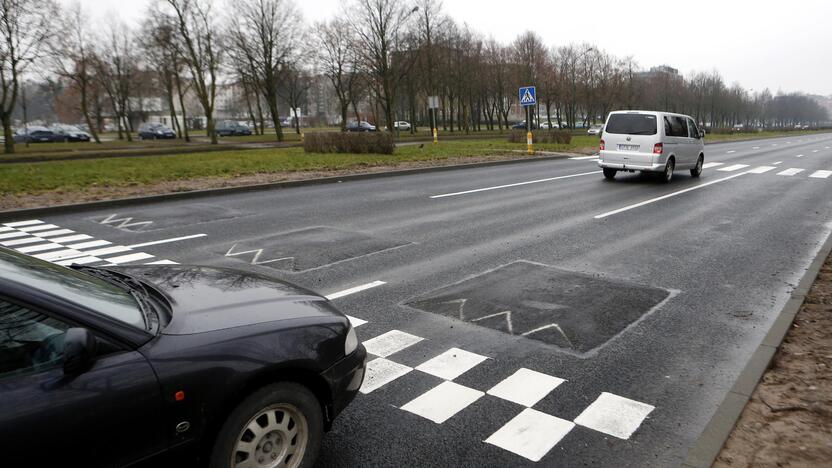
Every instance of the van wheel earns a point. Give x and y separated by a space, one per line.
668 170
697 170
280 425
609 174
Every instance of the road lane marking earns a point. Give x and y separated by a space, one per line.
451 364
26 240
711 164
444 195
163 262
729 152
525 387
680 192
355 321
443 401
777 163
59 255
39 248
391 343
815 151
57 232
381 372
531 434
40 227
79 261
354 290
75 238
24 223
799 156
134 257
165 241
614 415
581 158
88 245
733 167
10 235
821 174
756 147
761 169
790 172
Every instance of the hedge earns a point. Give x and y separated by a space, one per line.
563 137
354 143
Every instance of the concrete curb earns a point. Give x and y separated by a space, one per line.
120 202
719 428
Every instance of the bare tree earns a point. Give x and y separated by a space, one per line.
266 34
25 26
201 52
295 84
339 62
115 70
163 54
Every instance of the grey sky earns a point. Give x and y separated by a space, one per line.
763 43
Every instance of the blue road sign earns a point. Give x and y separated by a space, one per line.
528 96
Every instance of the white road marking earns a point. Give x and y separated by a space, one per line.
729 152
354 321
733 167
531 434
354 290
614 415
451 364
59 255
390 343
75 238
581 158
40 227
24 223
653 200
79 261
755 147
5 229
514 185
777 163
443 401
821 174
790 172
381 372
89 245
165 241
815 151
525 387
761 169
163 262
129 258
10 235
57 232
107 251
39 248
711 164
25 240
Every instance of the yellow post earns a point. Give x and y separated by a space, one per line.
435 135
530 142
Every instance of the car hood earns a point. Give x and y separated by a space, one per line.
206 299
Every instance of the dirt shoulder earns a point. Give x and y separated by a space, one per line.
104 192
788 421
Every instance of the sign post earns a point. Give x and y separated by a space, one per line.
433 105
528 99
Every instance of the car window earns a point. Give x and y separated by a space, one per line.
693 130
669 124
29 341
79 288
680 125
632 124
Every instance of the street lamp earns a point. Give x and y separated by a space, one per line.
574 87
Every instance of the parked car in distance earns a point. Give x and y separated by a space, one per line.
650 141
595 130
37 134
70 132
361 127
128 363
522 126
401 126
155 131
232 128
554 126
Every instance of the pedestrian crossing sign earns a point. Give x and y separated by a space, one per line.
528 96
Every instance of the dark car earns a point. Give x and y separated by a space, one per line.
155 131
37 134
70 132
110 366
361 127
232 128
522 126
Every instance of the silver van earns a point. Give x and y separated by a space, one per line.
649 141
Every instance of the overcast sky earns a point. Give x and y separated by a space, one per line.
779 45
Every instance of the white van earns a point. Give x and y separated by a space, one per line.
651 142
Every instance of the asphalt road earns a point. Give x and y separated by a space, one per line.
568 333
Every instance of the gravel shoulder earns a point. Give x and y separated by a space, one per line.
788 421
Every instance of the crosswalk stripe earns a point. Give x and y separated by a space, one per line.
129 258
733 167
790 172
39 248
24 223
75 238
821 174
171 262
40 227
11 235
761 169
59 255
79 261
5 229
89 245
25 240
711 164
108 251
57 232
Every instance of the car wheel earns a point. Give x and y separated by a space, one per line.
697 170
668 170
609 174
280 425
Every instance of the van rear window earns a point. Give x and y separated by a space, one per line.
632 124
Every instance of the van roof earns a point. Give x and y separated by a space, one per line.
648 112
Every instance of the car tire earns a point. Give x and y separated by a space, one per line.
263 409
609 174
697 169
667 176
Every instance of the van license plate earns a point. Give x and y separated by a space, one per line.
628 147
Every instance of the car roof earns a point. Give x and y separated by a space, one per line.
647 112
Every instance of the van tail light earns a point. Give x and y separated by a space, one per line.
658 148
602 145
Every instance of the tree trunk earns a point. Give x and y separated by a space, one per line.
8 145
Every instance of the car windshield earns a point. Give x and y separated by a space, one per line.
83 289
632 124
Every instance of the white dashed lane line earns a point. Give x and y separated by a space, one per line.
761 169
821 174
354 290
733 167
711 164
518 184
790 172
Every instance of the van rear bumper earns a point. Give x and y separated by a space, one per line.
632 167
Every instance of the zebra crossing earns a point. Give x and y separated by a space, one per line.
792 171
531 434
66 247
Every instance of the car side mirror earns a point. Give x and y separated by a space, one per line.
79 350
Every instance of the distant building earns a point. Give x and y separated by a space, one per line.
661 71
